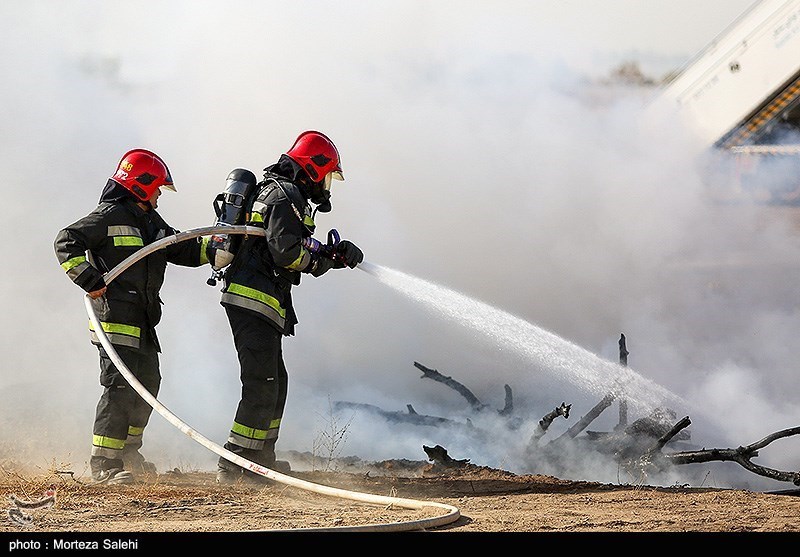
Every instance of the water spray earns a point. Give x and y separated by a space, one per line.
550 352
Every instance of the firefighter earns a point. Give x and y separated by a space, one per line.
257 293
129 308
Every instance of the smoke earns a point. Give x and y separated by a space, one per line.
478 155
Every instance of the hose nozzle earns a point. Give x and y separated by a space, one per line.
325 250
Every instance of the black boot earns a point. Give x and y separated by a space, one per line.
136 463
109 471
229 472
282 466
266 457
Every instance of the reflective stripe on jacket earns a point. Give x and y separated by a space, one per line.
262 274
104 238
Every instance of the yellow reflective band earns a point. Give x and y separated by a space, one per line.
299 261
203 245
249 432
275 424
308 221
74 262
256 217
128 241
258 296
118 328
135 430
107 442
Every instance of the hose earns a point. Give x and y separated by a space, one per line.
452 513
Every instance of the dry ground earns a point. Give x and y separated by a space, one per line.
487 500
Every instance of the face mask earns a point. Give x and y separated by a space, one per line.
320 194
322 199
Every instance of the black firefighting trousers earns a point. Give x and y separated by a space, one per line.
121 414
264 387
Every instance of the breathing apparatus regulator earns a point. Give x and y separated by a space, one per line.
232 207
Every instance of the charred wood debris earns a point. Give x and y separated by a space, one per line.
638 445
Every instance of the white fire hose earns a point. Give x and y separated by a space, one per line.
449 517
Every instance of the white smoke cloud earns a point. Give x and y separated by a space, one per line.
476 157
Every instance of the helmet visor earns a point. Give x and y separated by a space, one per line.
167 179
329 177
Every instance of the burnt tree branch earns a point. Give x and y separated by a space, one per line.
623 403
438 455
741 456
584 422
508 409
664 439
545 422
411 417
453 384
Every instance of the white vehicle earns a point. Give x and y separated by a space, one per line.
741 96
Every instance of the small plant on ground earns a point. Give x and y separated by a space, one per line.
328 443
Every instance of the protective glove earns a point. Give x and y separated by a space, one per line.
347 254
320 265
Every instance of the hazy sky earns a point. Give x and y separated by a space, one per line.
479 155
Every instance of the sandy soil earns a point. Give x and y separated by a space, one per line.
469 499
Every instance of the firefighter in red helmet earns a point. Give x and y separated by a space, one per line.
257 291
129 308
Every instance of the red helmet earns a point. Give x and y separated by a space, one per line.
142 172
317 155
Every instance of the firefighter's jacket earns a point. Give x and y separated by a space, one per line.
131 307
261 275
